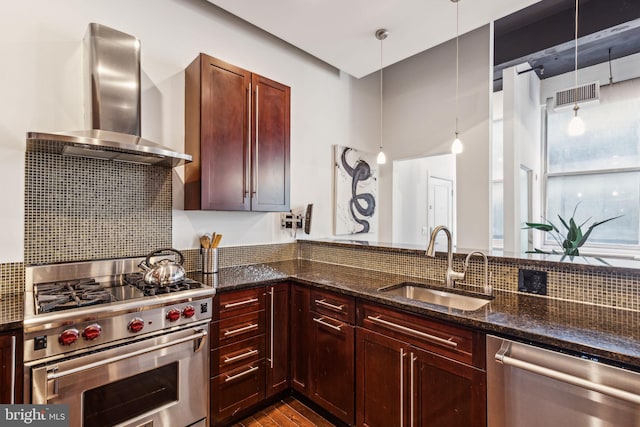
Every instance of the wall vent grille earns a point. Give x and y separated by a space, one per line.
587 93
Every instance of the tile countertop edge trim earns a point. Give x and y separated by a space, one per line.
631 359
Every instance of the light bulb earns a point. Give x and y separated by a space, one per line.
456 146
382 159
576 126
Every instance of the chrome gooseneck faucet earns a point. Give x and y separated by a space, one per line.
431 248
487 289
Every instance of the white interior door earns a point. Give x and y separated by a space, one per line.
440 208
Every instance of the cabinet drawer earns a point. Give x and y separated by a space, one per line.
438 337
236 390
239 302
235 329
230 357
331 304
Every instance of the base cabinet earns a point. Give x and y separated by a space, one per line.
11 367
277 331
365 364
408 375
300 339
237 354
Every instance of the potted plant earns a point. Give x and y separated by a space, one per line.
574 237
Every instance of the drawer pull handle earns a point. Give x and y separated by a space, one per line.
240 356
322 322
329 305
241 374
239 303
240 330
448 343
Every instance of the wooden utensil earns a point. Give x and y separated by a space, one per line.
205 241
216 241
213 238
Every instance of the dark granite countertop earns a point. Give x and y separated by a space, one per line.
605 333
11 307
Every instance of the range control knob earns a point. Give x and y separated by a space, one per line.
135 325
68 336
188 311
91 332
173 315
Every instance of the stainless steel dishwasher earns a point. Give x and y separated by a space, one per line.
529 386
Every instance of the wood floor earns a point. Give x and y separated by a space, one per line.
289 412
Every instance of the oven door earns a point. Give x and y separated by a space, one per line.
160 381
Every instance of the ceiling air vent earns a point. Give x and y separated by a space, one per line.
585 94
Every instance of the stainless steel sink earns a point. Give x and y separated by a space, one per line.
416 291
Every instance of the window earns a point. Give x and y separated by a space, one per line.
600 170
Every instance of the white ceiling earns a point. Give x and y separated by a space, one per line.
341 32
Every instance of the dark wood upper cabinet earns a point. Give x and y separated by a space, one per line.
237 130
277 355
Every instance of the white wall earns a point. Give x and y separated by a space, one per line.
41 87
419 120
410 182
521 148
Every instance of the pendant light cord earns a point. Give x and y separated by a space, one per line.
457 61
381 111
575 93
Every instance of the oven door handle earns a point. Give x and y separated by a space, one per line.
54 374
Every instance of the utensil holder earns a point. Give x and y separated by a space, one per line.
209 260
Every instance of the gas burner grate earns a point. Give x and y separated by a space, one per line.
137 280
65 295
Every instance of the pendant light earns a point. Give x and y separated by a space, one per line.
381 34
456 146
576 125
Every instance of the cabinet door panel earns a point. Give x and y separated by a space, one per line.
235 391
11 361
381 386
224 136
446 393
332 366
270 146
277 315
300 339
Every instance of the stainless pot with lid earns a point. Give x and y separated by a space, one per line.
163 272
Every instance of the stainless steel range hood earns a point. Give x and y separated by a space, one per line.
112 107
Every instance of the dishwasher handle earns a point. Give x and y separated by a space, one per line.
502 356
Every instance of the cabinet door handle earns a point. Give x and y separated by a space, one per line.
402 354
413 360
254 190
241 374
433 338
13 369
329 305
271 292
239 303
240 330
240 356
247 169
322 322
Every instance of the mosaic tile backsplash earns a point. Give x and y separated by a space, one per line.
608 288
82 209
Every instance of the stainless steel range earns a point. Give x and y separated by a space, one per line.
117 350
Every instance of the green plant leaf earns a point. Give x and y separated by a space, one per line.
538 226
563 222
590 229
572 235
